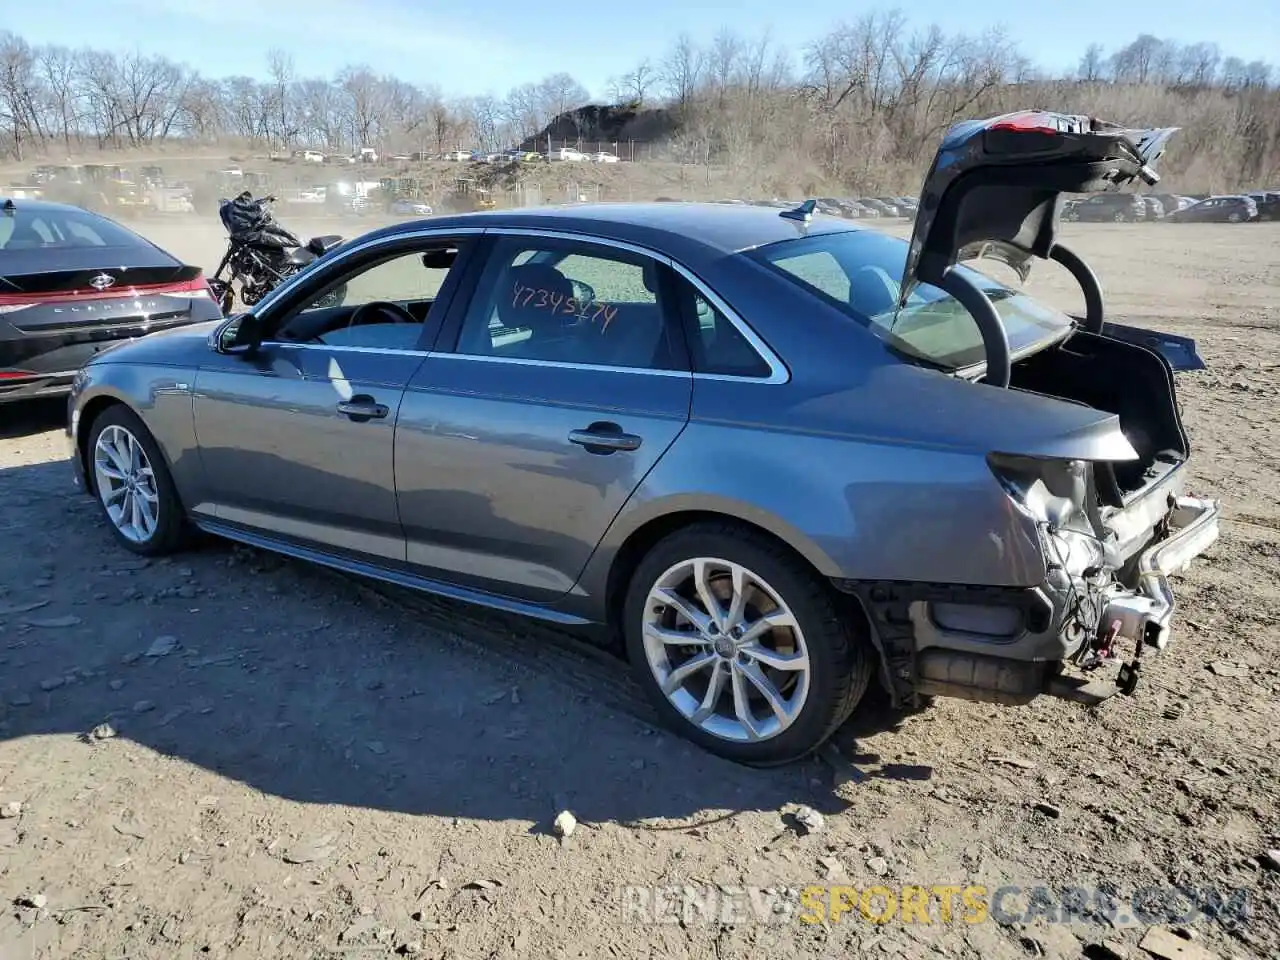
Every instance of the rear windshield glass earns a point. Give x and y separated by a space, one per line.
860 271
52 229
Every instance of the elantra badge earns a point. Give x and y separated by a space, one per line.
102 281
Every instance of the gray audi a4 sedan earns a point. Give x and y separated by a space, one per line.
775 456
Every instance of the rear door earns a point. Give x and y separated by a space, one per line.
551 396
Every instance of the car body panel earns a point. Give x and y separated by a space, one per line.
492 492
160 394
319 475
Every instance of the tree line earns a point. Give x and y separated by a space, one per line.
862 106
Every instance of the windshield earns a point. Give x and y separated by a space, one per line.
859 272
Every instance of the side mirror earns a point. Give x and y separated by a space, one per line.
241 334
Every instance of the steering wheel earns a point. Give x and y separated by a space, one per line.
398 313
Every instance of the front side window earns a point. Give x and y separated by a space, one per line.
565 302
860 272
385 303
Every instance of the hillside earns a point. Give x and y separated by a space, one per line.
607 123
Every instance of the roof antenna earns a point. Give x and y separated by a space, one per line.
803 213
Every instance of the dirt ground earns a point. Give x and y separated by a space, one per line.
304 765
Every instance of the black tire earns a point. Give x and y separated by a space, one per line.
1120 217
839 654
171 531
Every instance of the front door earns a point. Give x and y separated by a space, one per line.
297 439
522 437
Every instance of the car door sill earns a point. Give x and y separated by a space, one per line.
400 578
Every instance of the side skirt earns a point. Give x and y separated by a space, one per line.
400 578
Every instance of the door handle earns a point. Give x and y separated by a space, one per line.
363 407
604 437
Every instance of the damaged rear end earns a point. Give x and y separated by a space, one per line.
1112 517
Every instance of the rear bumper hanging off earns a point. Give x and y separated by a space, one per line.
923 654
1145 614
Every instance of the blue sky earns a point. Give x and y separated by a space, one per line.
507 42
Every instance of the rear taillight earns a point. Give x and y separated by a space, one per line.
195 288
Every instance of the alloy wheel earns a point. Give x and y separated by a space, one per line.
726 650
126 484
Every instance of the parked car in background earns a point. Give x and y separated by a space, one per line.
604 156
1226 209
779 456
568 154
883 207
403 207
1268 204
73 283
1116 207
1172 201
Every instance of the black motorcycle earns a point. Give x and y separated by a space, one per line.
261 254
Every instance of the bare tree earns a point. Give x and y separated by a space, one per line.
634 86
681 71
18 86
363 106
862 110
1092 64
283 125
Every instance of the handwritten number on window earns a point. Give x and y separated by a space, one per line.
542 299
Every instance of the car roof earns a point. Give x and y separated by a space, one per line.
727 228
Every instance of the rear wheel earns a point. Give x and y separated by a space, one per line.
133 484
741 647
1119 217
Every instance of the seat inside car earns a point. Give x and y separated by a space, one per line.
872 291
635 334
24 237
551 334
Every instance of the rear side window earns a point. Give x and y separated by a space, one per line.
60 230
570 302
718 347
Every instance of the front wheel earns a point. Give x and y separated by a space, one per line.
133 484
741 647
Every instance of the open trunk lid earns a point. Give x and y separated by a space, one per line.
996 188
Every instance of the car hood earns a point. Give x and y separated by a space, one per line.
177 345
996 185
